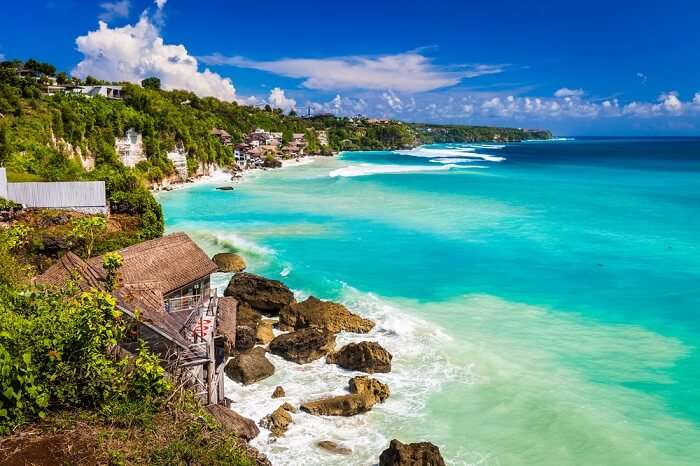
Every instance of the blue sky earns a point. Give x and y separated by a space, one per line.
595 67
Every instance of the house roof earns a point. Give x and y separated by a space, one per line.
150 270
166 263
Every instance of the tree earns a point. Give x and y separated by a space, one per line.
111 263
62 78
4 145
91 81
151 83
87 229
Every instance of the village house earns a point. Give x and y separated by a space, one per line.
165 289
322 137
223 136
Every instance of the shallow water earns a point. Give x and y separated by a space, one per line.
541 299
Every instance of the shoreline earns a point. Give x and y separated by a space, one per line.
229 178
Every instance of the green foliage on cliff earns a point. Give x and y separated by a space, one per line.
429 134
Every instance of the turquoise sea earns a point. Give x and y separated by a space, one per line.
541 299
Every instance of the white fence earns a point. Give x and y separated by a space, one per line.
86 196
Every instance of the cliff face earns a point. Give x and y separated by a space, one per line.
130 148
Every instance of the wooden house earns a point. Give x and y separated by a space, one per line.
164 285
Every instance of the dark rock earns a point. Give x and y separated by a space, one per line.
229 262
333 447
304 345
233 422
249 366
277 422
262 294
247 316
245 338
225 188
278 393
412 454
366 356
288 407
326 315
364 394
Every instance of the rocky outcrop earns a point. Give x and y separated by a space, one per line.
288 407
233 422
333 447
245 338
366 356
229 262
249 366
412 454
303 346
261 294
277 422
326 315
246 315
227 324
264 333
278 393
364 394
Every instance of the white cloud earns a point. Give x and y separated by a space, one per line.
566 92
670 102
404 72
277 99
116 9
134 52
393 101
696 98
160 3
642 76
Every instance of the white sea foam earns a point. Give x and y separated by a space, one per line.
465 152
448 160
234 242
366 169
413 345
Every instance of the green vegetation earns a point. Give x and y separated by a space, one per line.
429 134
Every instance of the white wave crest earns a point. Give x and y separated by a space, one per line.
366 169
466 152
419 368
449 160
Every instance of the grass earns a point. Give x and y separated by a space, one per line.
180 433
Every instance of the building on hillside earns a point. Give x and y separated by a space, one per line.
223 136
322 137
179 159
82 196
165 287
103 90
130 148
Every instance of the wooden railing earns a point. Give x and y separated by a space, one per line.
197 315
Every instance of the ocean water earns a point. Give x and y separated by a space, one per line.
541 299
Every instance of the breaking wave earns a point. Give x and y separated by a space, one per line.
366 169
464 152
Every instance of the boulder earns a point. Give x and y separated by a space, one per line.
246 315
233 422
227 324
229 262
326 315
333 447
303 346
371 388
277 422
412 454
278 393
366 356
264 333
245 338
262 294
364 394
288 407
249 366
